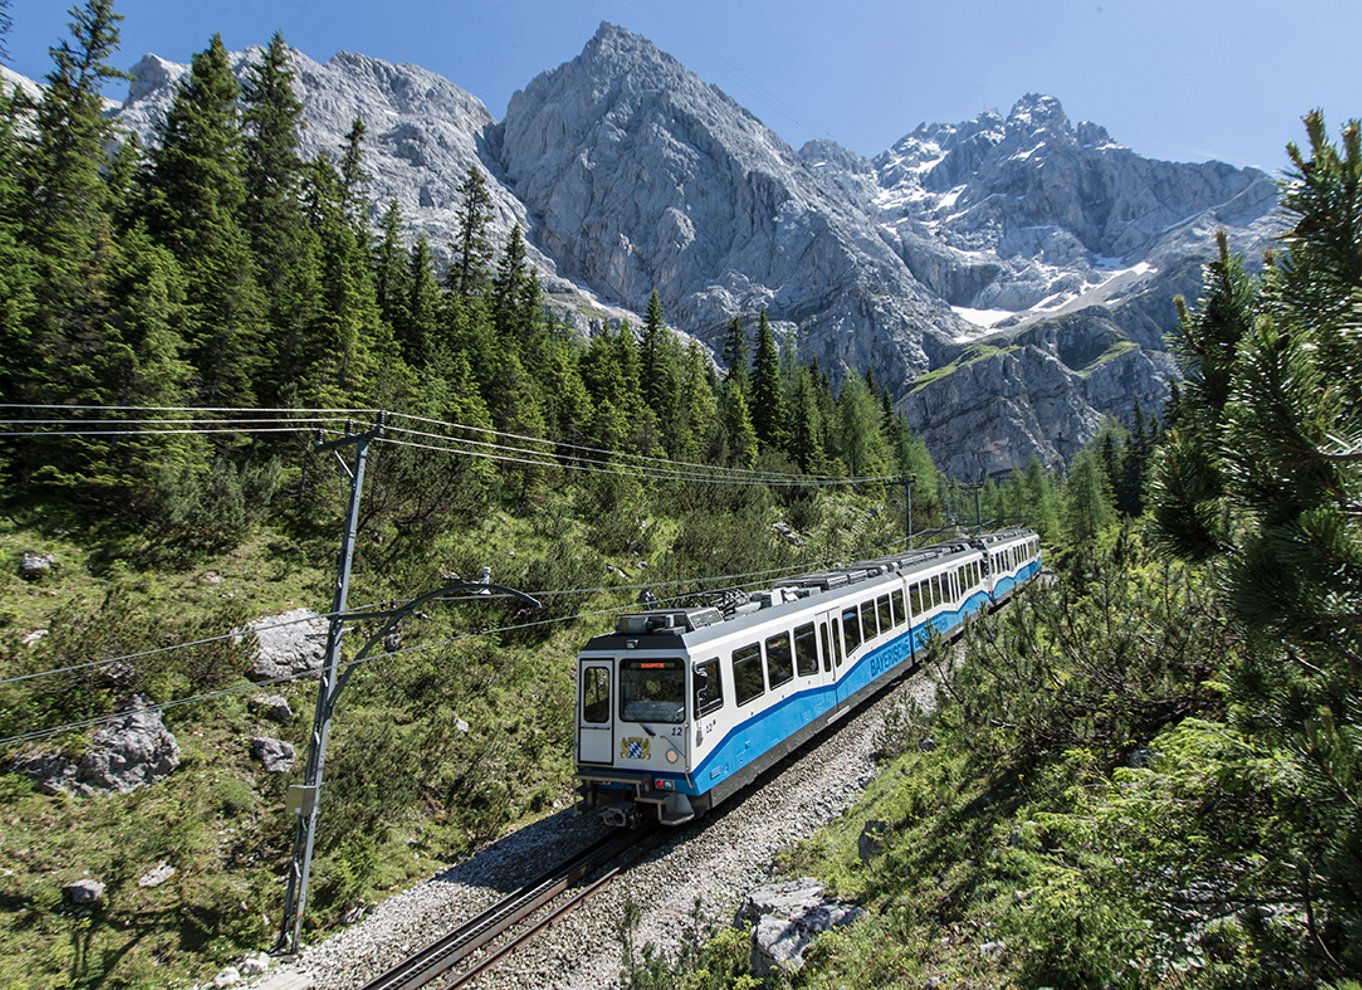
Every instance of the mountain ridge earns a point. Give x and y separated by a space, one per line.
629 173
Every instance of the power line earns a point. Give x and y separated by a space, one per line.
308 674
220 421
146 433
546 460
599 450
229 409
547 457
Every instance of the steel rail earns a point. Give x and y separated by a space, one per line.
436 959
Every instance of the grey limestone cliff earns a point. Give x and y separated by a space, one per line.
628 173
639 176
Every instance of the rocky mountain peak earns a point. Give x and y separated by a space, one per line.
642 176
151 75
1038 112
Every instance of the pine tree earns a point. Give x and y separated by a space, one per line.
472 252
1259 476
6 22
197 197
768 396
1089 506
735 354
700 408
806 426
739 436
355 178
660 375
352 358
1043 515
1188 505
392 279
861 442
65 215
18 263
284 244
650 372
418 329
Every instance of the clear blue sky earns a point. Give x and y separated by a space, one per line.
1178 79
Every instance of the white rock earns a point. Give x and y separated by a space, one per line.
156 876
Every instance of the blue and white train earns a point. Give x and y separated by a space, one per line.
677 709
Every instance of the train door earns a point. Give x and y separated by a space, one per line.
595 722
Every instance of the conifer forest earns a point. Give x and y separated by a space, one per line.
1146 771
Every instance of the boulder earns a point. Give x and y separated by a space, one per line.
275 755
254 965
83 893
156 876
229 976
785 917
132 752
34 566
788 534
271 706
288 644
33 637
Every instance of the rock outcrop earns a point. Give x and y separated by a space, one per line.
275 755
288 644
785 918
133 751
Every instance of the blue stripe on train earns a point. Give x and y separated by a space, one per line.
769 727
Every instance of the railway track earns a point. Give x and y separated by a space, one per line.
556 888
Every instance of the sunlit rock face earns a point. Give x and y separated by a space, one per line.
968 250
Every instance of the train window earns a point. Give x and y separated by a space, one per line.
837 640
806 650
886 614
937 596
915 598
709 689
652 690
748 682
900 616
596 695
779 659
851 629
869 628
827 647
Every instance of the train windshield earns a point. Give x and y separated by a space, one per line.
653 690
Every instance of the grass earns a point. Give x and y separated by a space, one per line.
970 355
408 792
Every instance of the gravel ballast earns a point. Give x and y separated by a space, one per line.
719 858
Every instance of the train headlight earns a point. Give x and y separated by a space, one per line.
671 756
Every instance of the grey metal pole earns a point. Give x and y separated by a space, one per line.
978 518
305 799
908 505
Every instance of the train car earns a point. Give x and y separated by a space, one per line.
679 708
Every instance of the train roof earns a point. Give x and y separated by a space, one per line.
676 628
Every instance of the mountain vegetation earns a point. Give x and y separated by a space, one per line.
1145 772
178 321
